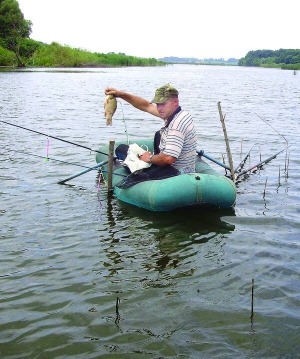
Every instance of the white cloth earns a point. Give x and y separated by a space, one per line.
132 160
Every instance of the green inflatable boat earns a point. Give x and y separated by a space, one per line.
205 188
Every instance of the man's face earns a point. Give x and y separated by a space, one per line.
167 108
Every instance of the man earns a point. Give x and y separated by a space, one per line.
175 144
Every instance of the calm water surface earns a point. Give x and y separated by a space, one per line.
182 280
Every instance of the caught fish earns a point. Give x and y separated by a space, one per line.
110 106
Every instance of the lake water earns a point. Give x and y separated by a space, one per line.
85 276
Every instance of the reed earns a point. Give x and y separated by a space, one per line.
264 195
252 303
286 162
118 301
287 167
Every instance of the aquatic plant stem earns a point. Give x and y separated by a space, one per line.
252 303
265 188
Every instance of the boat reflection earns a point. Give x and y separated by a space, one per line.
178 233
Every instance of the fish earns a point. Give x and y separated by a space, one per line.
110 106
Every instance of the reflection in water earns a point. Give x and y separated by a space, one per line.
175 233
183 223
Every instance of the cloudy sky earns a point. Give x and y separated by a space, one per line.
159 28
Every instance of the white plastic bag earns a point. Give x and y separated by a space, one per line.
132 160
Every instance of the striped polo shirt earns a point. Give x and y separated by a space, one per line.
179 139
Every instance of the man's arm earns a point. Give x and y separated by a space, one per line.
159 159
136 101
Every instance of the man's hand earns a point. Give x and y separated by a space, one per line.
112 91
145 157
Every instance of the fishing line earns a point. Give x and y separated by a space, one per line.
124 122
273 128
286 142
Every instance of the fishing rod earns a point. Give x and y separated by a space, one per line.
241 165
88 169
56 138
68 163
259 164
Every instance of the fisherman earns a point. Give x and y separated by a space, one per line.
175 143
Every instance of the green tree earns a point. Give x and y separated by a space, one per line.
14 29
284 58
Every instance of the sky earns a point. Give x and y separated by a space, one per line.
163 28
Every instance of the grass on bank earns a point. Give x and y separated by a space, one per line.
7 58
56 55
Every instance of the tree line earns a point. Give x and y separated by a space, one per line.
283 58
18 50
194 60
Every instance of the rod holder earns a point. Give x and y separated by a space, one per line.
222 119
110 164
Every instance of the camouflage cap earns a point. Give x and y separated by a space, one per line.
164 93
